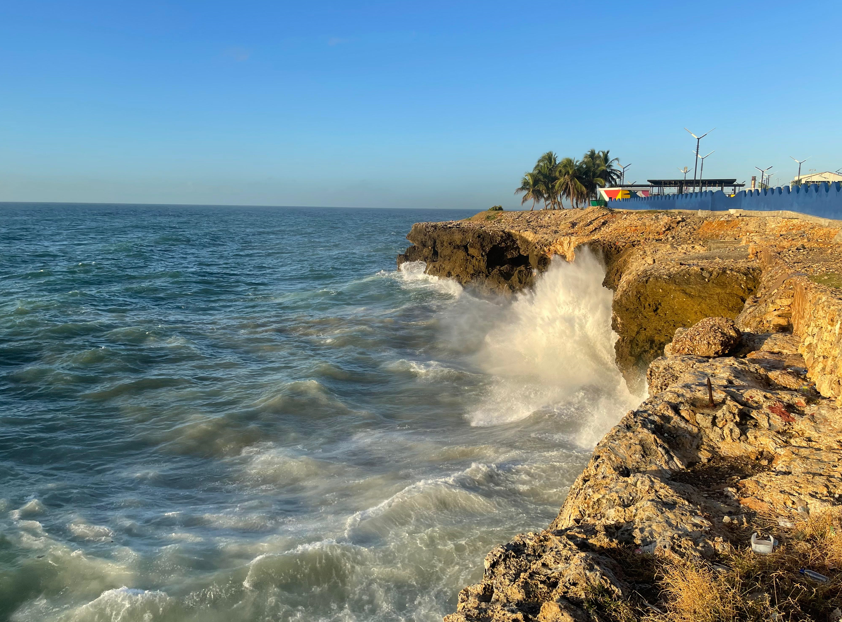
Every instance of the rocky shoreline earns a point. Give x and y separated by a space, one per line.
683 476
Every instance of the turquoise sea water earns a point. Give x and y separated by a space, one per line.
222 413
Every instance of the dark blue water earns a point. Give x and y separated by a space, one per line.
219 413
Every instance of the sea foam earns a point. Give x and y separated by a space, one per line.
554 346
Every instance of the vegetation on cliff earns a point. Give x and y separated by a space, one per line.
551 181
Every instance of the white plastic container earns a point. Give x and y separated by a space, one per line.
763 547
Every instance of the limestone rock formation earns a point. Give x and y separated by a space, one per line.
667 269
679 473
497 260
710 337
676 474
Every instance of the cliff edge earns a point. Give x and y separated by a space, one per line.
668 269
740 439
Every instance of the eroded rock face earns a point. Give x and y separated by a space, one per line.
491 259
650 304
710 337
665 478
817 320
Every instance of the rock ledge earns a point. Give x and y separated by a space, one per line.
745 303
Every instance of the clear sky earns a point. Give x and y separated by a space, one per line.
401 104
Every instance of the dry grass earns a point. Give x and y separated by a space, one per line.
696 593
745 586
758 588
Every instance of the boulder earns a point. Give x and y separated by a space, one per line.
710 337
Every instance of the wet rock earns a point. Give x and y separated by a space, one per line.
710 337
491 259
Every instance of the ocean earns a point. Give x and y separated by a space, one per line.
241 413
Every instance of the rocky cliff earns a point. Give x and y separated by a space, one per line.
667 269
746 438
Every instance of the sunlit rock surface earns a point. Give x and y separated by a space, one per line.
683 472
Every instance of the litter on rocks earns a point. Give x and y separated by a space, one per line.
763 547
816 576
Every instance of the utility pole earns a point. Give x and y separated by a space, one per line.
698 140
623 178
800 162
702 172
684 170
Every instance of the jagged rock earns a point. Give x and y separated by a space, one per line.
817 320
665 478
667 269
663 372
650 305
493 259
710 337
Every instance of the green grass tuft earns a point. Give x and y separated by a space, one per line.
828 279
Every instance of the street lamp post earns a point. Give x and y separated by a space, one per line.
762 174
684 170
698 140
702 172
800 162
623 178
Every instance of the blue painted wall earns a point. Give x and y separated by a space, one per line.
823 200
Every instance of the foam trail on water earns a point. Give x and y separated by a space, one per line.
413 273
554 349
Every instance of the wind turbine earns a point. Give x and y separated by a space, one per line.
702 172
762 174
698 140
800 162
684 170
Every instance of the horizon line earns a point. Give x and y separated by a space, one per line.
2 203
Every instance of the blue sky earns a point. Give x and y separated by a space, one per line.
401 104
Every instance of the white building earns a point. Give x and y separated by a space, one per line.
818 178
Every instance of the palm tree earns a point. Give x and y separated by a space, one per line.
546 175
611 174
577 181
532 190
592 169
568 183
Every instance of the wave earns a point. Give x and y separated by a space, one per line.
427 371
554 346
321 564
425 502
125 605
267 464
413 276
